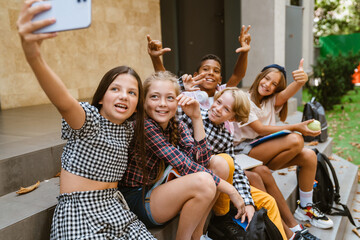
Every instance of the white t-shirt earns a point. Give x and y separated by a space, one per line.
265 114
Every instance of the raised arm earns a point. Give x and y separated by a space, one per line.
241 63
191 108
52 85
300 78
156 50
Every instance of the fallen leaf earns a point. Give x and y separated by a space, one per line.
23 190
308 225
331 158
350 159
356 232
313 143
356 210
292 168
282 173
58 174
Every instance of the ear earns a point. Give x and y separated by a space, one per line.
232 119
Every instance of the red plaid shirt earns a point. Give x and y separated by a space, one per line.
188 157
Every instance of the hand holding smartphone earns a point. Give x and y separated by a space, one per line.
69 15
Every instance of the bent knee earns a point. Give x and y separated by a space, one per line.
266 201
253 177
222 167
262 170
204 184
295 141
309 157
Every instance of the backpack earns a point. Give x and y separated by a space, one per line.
326 188
262 228
314 110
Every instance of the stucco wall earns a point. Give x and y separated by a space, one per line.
117 36
261 16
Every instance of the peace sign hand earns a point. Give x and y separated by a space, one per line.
244 40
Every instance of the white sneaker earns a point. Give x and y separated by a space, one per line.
205 237
312 214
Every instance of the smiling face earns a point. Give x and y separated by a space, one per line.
269 83
120 99
160 102
212 69
222 109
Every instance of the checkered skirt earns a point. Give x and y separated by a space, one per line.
100 214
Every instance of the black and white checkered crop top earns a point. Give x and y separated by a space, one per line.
99 149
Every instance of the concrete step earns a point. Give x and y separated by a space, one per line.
29 160
354 206
29 216
30 146
347 175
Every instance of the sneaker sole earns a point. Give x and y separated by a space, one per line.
302 217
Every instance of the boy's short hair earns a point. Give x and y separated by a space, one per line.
241 106
209 57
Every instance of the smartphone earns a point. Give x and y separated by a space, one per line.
69 15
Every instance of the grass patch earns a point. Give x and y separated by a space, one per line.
343 123
344 127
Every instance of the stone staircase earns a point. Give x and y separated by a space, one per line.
30 150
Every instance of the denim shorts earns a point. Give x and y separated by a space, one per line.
139 205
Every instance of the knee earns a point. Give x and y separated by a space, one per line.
254 178
295 141
268 202
309 158
262 170
265 174
204 185
222 167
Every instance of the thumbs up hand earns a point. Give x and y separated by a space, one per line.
299 75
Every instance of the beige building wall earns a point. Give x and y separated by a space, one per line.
117 36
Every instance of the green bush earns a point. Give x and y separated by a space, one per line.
334 73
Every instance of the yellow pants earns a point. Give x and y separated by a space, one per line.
261 200
222 204
265 200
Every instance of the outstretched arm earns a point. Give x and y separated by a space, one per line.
155 50
52 85
300 78
241 63
301 127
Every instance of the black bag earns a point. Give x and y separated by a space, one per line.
314 110
262 228
326 188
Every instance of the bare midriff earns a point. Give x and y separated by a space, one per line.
70 182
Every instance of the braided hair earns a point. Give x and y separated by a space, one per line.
174 124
